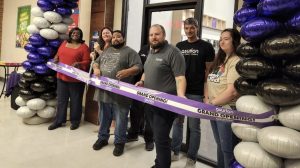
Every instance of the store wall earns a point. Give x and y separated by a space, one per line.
8 50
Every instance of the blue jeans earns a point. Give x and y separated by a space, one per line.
107 112
195 132
225 140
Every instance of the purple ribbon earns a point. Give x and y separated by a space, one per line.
166 101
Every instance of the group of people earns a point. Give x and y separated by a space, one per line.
189 70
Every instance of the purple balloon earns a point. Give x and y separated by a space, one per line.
72 5
55 43
277 7
45 5
63 11
260 28
236 164
27 65
29 47
45 51
251 1
244 15
293 23
37 40
57 2
35 58
41 69
71 1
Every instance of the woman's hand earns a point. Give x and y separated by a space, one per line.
97 72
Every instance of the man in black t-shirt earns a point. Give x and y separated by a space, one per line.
198 56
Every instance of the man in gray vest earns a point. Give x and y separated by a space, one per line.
164 71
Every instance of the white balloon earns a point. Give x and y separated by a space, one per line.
249 104
52 102
63 36
36 104
290 117
20 101
245 132
47 112
35 120
37 11
40 22
25 112
49 34
53 17
251 155
67 20
280 141
289 163
60 27
32 29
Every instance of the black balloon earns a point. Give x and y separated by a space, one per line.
48 95
27 94
277 7
50 78
258 29
280 92
255 68
245 86
244 14
29 75
292 69
23 83
287 46
293 24
38 86
247 50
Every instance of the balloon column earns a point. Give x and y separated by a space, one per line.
37 97
270 73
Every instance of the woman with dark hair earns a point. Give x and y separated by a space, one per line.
220 91
73 52
103 43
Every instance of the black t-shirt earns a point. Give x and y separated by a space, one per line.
196 54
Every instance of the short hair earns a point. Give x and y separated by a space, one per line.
161 27
80 35
119 31
191 21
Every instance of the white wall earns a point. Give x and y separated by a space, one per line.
8 50
134 25
224 11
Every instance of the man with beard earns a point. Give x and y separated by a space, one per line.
164 71
122 63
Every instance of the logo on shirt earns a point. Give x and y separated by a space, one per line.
190 52
215 75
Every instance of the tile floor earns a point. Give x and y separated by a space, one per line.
33 146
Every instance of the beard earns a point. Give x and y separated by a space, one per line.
118 45
157 45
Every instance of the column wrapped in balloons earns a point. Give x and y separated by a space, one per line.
37 96
270 76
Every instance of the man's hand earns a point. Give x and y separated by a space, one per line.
97 72
123 74
55 60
